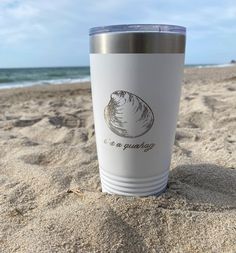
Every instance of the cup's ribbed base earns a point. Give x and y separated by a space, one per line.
133 186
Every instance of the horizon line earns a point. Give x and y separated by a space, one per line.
84 66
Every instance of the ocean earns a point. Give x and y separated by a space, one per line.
23 77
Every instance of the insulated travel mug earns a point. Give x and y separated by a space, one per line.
136 74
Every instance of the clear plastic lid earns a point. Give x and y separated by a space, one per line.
160 28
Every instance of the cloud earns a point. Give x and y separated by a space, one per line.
22 21
202 14
22 12
58 26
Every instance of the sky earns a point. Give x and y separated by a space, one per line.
37 33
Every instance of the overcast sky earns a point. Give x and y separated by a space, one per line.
55 32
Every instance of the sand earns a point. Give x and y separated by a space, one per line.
50 193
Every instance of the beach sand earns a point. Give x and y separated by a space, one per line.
50 193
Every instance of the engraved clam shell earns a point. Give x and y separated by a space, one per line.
127 115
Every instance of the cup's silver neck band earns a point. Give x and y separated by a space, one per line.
137 42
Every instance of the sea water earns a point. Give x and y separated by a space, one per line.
23 77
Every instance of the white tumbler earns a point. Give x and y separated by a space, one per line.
136 74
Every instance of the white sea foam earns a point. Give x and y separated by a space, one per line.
44 82
215 66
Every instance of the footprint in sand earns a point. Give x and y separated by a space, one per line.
26 122
182 135
231 79
231 88
45 132
51 157
23 196
60 179
35 159
69 121
212 103
86 119
29 143
200 120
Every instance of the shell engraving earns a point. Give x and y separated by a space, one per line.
127 115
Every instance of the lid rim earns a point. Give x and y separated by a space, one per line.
159 28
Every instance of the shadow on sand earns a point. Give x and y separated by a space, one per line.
204 184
